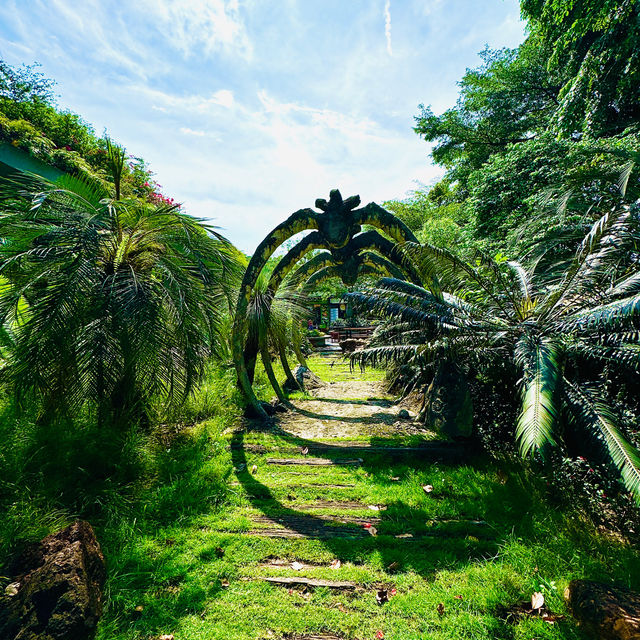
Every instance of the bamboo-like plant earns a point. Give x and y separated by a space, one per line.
111 302
494 310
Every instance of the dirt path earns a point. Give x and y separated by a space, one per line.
349 409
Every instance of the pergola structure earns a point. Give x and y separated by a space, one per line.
346 252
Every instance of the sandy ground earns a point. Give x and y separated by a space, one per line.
348 409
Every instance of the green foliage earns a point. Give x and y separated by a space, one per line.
433 215
126 482
595 52
531 123
31 121
111 302
507 100
24 84
556 331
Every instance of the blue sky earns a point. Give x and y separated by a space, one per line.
250 109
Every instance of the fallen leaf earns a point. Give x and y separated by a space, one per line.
304 451
166 636
404 535
458 597
296 566
374 507
382 596
440 609
537 600
393 566
224 583
341 607
551 618
427 488
394 478
290 592
336 564
219 552
254 469
393 592
139 609
372 531
12 589
379 635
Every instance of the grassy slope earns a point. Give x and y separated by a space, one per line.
174 501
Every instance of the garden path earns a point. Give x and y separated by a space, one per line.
340 541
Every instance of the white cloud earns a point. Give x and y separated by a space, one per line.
223 97
296 153
192 132
194 103
196 26
387 25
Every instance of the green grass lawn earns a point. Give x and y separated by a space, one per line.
183 558
196 574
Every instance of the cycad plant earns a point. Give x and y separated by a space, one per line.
271 323
110 302
489 311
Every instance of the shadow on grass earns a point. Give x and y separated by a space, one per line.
433 545
486 508
131 487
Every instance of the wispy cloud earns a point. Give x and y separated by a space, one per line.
193 103
231 103
194 27
192 132
387 25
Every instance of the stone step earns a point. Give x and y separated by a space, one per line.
440 449
287 520
311 636
347 505
315 533
236 483
295 581
315 462
344 526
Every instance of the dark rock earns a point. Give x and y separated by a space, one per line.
449 409
278 407
349 345
403 414
606 612
306 379
59 596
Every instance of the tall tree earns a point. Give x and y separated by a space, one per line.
595 50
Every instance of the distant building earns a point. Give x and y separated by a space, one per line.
325 311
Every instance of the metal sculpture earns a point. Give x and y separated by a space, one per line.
349 253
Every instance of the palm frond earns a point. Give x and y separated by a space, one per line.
599 418
538 358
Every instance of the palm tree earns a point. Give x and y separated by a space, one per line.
111 302
495 311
